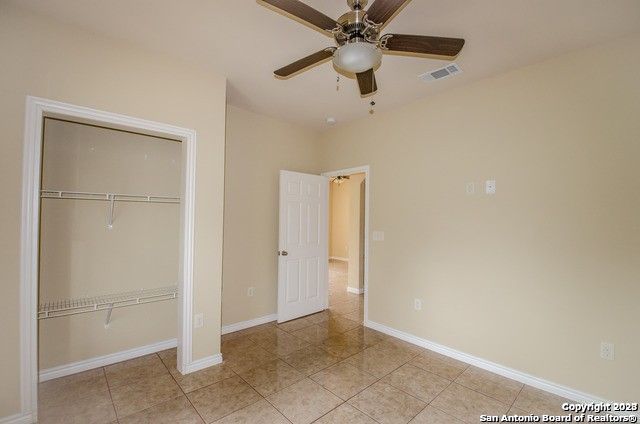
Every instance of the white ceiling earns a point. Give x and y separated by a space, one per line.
247 42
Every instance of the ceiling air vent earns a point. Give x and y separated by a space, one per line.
444 72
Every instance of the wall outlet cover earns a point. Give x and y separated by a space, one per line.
251 291
378 236
417 304
490 187
607 351
198 321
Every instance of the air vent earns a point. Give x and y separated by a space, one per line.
437 74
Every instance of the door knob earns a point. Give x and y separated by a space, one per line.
283 253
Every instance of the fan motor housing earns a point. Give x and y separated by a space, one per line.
357 4
355 28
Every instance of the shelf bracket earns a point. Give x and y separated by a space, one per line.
112 200
107 321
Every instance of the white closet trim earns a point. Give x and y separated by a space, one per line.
36 110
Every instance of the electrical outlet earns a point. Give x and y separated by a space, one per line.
490 187
417 304
198 321
378 236
607 351
251 291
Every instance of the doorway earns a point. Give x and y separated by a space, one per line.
37 110
304 276
348 242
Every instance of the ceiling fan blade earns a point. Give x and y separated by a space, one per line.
305 13
305 63
422 44
382 11
367 82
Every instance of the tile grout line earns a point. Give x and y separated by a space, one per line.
433 406
209 385
391 385
310 344
328 412
378 380
472 389
516 398
252 403
182 390
276 408
113 405
485 394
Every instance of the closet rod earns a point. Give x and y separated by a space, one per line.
109 197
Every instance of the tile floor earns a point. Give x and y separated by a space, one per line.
324 368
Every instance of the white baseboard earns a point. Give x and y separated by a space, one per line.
203 363
102 361
522 377
354 290
17 419
232 328
338 258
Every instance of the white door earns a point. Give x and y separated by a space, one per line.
303 246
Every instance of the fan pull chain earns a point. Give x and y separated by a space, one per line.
337 82
372 104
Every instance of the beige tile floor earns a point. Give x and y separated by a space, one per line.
324 368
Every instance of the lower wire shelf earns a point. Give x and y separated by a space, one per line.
107 303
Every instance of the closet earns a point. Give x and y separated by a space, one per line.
109 242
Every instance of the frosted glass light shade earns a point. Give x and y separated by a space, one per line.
357 57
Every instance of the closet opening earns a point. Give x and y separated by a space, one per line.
107 244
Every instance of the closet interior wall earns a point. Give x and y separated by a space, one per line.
81 256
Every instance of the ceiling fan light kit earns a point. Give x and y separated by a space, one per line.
357 57
359 45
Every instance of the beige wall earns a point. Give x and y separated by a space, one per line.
339 220
356 232
80 256
538 275
43 58
257 149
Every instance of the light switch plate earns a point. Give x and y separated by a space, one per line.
471 188
378 236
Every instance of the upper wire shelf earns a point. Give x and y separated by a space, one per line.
112 198
117 197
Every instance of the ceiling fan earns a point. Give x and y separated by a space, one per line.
340 179
359 43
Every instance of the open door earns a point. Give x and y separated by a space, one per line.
303 245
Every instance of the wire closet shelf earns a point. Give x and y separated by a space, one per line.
60 308
112 198
109 197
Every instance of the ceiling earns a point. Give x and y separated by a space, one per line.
247 42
